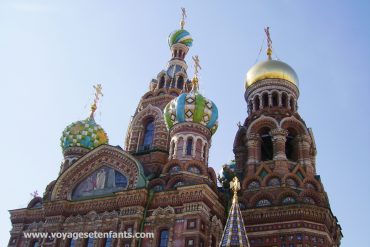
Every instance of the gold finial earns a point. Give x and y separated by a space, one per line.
235 187
183 13
269 42
197 67
98 92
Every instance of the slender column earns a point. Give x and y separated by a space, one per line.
304 151
270 100
278 139
252 142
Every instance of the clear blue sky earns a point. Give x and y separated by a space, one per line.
52 52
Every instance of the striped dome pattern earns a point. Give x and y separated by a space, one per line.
86 134
180 36
192 107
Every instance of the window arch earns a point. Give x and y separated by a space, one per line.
158 188
266 144
194 169
309 200
189 146
274 182
148 134
291 182
254 185
163 238
175 169
263 203
180 82
288 200
178 184
310 185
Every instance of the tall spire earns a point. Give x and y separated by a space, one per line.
269 42
195 80
98 92
234 232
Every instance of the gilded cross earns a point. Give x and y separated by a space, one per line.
235 185
269 42
183 13
98 92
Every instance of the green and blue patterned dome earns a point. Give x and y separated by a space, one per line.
227 171
86 134
180 36
192 107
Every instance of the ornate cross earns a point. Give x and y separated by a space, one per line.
235 187
183 13
34 194
196 65
269 42
98 92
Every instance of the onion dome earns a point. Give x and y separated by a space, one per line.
192 107
85 133
180 36
270 69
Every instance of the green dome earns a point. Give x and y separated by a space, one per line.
192 107
180 36
86 134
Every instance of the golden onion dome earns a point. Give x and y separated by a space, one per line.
271 69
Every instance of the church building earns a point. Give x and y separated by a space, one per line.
160 181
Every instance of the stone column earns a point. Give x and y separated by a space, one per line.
278 140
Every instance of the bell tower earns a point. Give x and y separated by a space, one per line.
283 199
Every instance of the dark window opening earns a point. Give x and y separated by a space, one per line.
275 99
266 144
180 82
292 104
161 82
189 146
265 100
148 134
257 103
291 148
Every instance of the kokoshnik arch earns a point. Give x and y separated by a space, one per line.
160 182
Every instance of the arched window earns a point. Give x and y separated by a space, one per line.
205 151
163 238
108 242
263 203
284 100
310 186
266 144
175 53
161 82
193 169
274 182
291 182
180 82
265 100
275 97
189 146
291 147
256 103
288 200
148 134
308 200
254 185
175 169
